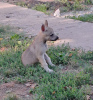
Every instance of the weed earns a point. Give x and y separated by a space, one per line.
64 9
22 3
85 18
16 36
77 6
2 30
12 97
41 7
73 5
62 88
88 1
9 73
20 80
31 91
60 85
89 70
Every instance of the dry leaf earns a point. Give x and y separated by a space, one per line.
33 85
80 51
2 49
70 87
43 97
65 87
73 49
1 39
70 54
88 97
28 84
54 92
19 42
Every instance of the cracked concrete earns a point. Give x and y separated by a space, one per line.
77 33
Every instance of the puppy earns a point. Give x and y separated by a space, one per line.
36 52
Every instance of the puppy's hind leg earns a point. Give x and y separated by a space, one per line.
48 60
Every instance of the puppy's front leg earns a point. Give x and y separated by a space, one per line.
42 60
48 60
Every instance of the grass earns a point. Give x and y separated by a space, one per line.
63 84
22 3
63 5
46 8
72 6
41 7
77 1
85 18
12 97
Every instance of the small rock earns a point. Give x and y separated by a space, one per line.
9 91
27 96
7 16
28 84
88 97
20 30
33 85
61 66
57 13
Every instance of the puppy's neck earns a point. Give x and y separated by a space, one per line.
41 38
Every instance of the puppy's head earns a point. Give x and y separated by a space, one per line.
48 33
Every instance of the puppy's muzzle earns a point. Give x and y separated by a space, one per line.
56 38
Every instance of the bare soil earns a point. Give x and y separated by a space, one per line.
20 90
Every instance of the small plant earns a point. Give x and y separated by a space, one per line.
89 70
88 55
64 9
9 73
72 5
85 18
2 29
22 3
12 97
77 6
16 36
88 1
62 1
41 7
31 91
20 80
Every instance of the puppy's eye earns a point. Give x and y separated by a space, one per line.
51 34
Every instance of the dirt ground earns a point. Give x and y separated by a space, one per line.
22 91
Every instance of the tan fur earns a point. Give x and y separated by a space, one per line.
36 52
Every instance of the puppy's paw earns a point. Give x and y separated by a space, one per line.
49 70
53 65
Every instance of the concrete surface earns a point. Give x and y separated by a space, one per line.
77 13
77 33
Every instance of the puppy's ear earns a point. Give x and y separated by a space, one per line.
46 23
43 28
